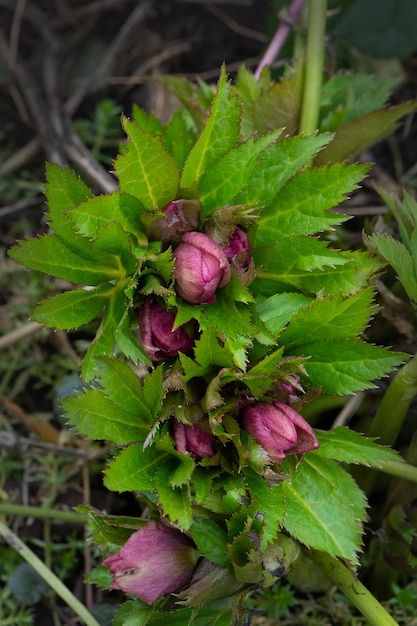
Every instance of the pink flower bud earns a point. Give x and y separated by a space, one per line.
237 250
192 439
279 430
201 267
181 216
154 561
158 339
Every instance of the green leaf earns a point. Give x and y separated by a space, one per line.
65 191
270 502
147 121
299 262
397 255
277 310
112 239
343 367
147 171
153 390
100 211
347 96
278 105
261 376
220 134
323 505
301 207
73 308
230 174
97 417
134 469
175 501
329 318
210 540
180 134
49 255
124 388
347 446
232 319
354 137
280 161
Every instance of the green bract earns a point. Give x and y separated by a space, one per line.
297 312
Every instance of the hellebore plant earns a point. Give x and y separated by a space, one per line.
211 265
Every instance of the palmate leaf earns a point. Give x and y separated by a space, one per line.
230 174
124 388
92 215
329 318
347 96
175 501
270 502
299 262
134 469
301 206
278 104
276 311
114 328
65 191
344 367
324 507
180 134
220 134
49 255
280 161
348 446
96 416
73 308
147 171
211 540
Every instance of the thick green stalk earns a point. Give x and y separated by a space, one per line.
394 406
354 590
389 418
314 66
400 470
42 513
54 582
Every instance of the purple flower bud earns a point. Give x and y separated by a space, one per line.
237 250
279 430
158 339
201 267
181 216
192 439
154 561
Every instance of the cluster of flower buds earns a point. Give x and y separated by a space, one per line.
157 559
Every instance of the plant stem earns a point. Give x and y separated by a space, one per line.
42 513
314 66
54 582
294 12
389 418
394 406
401 470
354 590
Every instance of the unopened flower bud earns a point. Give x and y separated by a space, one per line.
237 250
192 439
279 430
159 340
154 561
180 217
201 267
